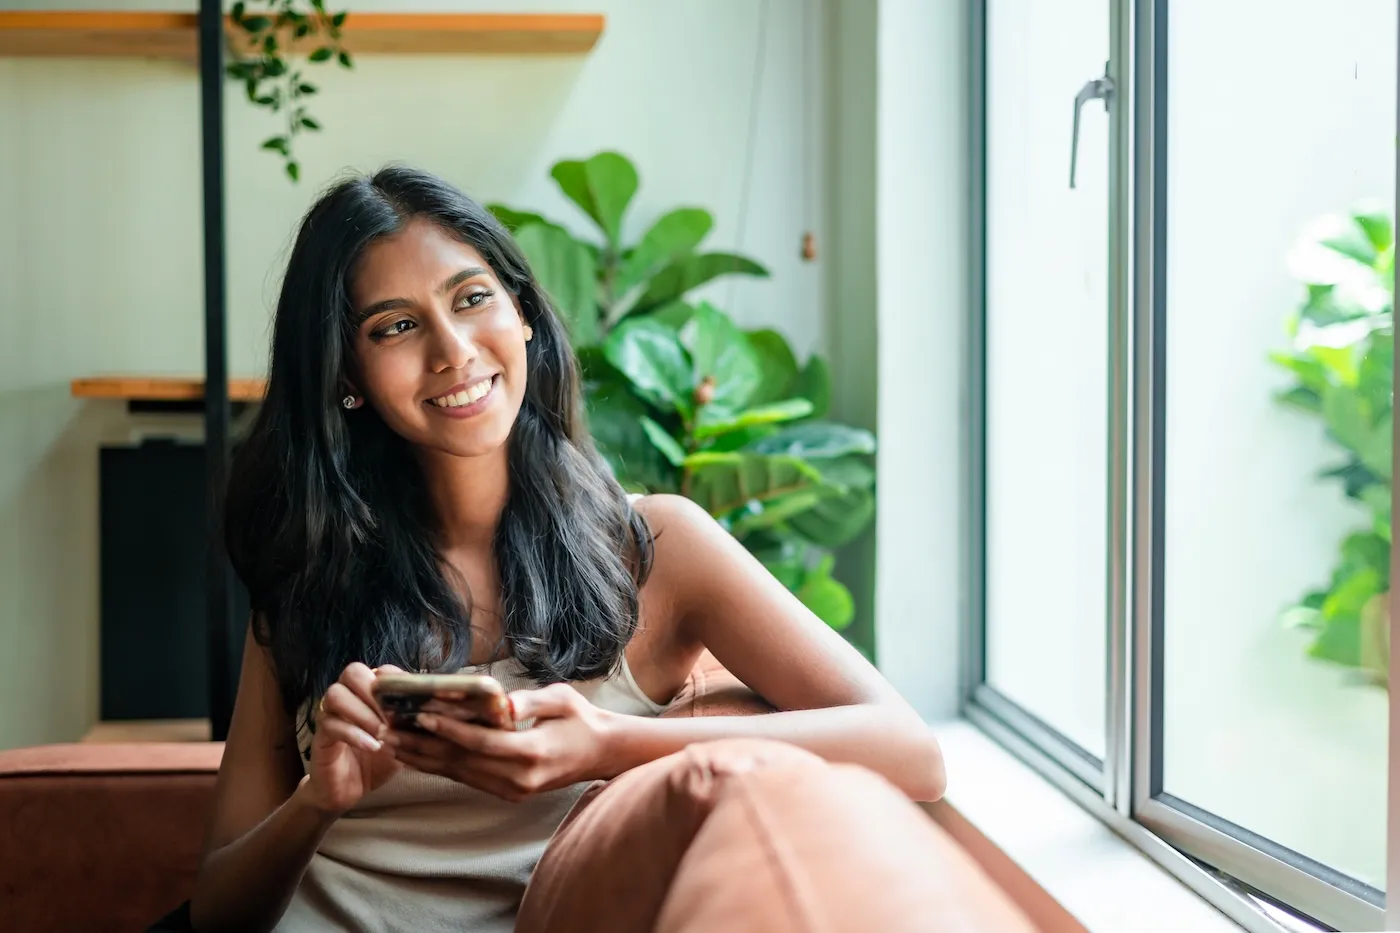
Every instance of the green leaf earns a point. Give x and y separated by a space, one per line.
1376 452
1373 636
1365 550
650 355
345 62
691 272
513 219
724 482
293 171
828 599
1301 398
237 11
1354 244
846 472
1338 641
614 421
338 19
671 237
255 23
322 54
674 315
776 413
775 512
1346 598
663 441
277 144
1375 223
266 101
789 572
776 364
1348 418
565 268
737 438
310 124
837 519
721 351
814 384
306 90
817 440
603 186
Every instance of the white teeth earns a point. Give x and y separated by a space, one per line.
465 397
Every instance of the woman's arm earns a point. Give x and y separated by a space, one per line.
838 705
705 591
269 818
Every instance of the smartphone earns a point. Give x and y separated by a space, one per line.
475 698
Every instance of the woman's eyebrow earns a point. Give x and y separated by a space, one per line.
393 304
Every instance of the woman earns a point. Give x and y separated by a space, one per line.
419 491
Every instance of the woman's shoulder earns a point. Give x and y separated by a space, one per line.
666 510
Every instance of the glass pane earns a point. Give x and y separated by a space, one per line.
1278 728
1047 377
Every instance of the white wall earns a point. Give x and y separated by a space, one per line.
100 262
922 269
1260 144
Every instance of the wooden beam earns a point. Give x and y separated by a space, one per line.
172 35
162 388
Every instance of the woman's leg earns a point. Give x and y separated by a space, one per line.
833 849
609 866
756 835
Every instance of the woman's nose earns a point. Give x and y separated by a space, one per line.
452 347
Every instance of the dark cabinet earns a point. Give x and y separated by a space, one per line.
154 534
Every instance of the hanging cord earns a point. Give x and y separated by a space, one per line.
808 248
755 93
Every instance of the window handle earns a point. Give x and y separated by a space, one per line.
1097 89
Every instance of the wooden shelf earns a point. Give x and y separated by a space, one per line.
162 389
172 35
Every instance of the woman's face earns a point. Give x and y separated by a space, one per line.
440 343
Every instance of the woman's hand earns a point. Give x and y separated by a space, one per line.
348 757
567 744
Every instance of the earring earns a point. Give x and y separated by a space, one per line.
349 401
529 333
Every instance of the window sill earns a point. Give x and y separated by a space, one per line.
1066 869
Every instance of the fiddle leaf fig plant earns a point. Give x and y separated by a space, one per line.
1342 363
259 56
682 400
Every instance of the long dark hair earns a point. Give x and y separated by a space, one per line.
328 521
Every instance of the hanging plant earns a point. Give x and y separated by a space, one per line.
259 57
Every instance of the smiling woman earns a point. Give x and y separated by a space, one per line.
419 491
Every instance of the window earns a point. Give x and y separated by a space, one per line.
1182 426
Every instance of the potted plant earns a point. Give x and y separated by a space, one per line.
1342 361
680 399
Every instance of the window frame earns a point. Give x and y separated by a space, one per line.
1225 863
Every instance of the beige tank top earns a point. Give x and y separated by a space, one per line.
425 853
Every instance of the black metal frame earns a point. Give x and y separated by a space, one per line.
218 575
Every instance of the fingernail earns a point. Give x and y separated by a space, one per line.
427 720
370 742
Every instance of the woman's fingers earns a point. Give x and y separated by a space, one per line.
492 784
342 702
359 680
334 729
553 702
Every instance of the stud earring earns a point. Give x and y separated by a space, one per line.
529 333
348 401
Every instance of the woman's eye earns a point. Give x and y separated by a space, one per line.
394 329
472 300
